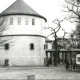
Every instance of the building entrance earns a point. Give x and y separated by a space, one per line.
6 62
62 55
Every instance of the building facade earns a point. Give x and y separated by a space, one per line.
25 44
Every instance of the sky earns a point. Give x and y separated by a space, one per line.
50 9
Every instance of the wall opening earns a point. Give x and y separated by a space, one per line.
6 62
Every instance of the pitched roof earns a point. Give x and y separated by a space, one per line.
19 7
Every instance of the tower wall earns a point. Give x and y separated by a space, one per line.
24 28
19 53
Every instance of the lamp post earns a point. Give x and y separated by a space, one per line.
54 31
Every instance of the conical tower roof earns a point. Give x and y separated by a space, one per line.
19 7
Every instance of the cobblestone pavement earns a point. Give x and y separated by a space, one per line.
39 72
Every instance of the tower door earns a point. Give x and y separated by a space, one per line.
6 62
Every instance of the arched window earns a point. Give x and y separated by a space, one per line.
6 46
31 46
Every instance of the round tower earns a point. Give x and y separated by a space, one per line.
26 44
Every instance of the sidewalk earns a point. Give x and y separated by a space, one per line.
52 72
25 67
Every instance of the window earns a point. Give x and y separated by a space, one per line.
11 21
33 21
6 62
31 46
6 46
19 20
27 21
45 46
78 59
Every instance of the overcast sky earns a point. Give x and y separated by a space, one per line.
50 9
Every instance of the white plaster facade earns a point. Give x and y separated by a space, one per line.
19 52
23 28
48 44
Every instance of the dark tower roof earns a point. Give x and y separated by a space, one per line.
19 7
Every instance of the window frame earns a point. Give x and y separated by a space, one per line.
45 46
26 21
78 59
11 21
19 20
33 21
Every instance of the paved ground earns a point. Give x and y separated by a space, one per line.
39 72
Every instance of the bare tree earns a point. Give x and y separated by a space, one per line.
3 27
54 32
73 8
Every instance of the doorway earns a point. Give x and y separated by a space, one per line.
6 62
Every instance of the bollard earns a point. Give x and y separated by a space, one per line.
30 77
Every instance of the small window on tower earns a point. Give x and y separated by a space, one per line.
27 21
11 21
33 21
6 46
19 20
31 46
